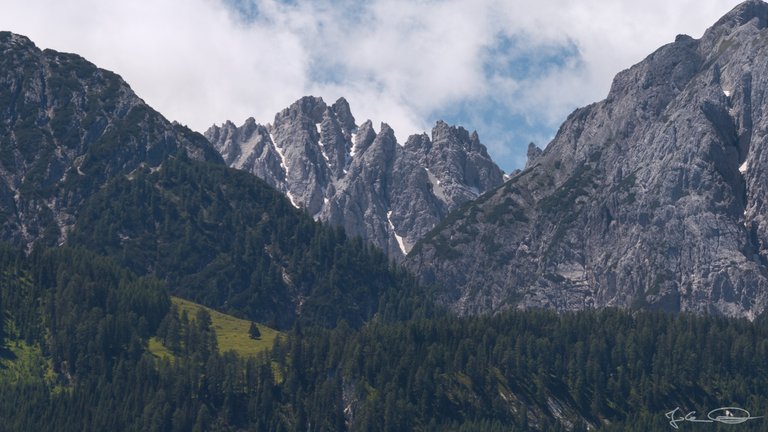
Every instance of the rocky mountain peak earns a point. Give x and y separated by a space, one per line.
16 44
364 138
747 11
310 107
447 135
385 129
382 151
533 154
344 114
650 198
365 181
751 15
66 128
419 144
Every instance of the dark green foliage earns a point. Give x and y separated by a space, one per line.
502 372
92 319
225 239
186 337
84 310
563 200
253 331
608 368
506 212
444 248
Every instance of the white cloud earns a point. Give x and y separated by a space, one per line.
405 62
187 58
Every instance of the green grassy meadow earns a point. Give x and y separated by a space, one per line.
231 333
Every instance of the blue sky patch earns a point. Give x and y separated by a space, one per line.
517 57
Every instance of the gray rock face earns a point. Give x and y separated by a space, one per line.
257 153
533 154
656 197
66 127
357 178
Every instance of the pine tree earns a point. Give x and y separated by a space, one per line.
254 331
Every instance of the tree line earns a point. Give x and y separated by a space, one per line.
90 319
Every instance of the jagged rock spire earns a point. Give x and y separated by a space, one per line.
354 177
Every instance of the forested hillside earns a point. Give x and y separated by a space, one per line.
85 162
75 357
226 239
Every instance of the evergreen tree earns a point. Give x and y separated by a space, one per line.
253 331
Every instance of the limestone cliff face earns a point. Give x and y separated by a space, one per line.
655 197
66 128
355 177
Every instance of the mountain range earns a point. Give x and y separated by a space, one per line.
86 163
652 198
351 176
409 287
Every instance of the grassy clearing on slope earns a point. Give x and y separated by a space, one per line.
159 350
23 363
20 362
231 333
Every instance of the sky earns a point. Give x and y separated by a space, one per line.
510 69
